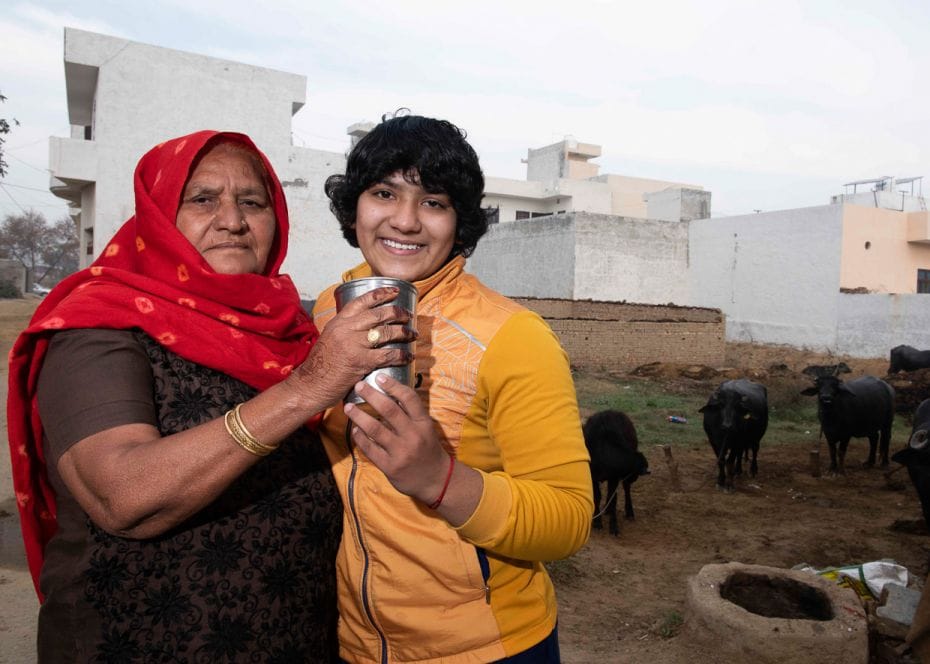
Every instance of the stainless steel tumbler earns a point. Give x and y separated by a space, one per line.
407 299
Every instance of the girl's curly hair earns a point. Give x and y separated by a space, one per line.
432 153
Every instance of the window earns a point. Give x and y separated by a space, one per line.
540 214
493 214
522 214
923 281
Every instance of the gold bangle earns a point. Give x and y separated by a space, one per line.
237 431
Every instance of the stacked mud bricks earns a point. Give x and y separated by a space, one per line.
616 336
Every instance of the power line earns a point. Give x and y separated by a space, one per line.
41 170
20 186
3 186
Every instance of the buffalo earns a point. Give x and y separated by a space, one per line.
916 457
908 358
735 419
817 370
612 443
858 408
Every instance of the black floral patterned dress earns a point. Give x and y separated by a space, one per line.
248 579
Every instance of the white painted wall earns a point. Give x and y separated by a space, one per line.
318 253
147 94
586 256
775 274
871 325
528 258
637 260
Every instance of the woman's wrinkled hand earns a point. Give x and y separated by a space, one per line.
348 350
403 443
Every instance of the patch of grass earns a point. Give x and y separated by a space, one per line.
669 625
792 417
648 404
564 571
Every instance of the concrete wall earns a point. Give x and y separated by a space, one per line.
318 253
529 258
586 256
876 254
637 260
870 325
613 336
145 94
586 196
677 204
918 227
776 275
545 163
628 193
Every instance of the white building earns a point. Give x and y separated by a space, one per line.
125 97
849 278
842 277
839 278
560 178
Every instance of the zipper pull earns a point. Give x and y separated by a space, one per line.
487 594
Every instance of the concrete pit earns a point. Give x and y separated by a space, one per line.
768 615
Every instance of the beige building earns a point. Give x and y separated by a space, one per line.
561 178
885 251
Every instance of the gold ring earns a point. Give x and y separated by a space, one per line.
374 336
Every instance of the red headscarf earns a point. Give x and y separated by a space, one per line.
249 326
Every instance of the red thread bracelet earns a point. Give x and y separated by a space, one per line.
442 494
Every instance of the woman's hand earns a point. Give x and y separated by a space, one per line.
344 353
405 445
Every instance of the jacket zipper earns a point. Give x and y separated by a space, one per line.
350 492
485 572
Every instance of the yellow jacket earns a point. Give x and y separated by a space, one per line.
411 587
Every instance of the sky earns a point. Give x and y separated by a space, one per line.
767 104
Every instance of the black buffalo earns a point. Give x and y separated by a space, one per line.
858 408
908 358
916 457
735 419
817 370
611 441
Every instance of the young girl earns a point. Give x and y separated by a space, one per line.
460 490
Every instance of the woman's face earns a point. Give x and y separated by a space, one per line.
226 211
404 231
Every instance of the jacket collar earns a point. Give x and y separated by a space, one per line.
445 274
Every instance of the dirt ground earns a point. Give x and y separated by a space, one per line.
622 599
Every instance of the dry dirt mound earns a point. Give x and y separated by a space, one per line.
911 387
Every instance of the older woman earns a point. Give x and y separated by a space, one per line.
174 506
464 487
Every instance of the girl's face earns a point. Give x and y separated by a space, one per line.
404 231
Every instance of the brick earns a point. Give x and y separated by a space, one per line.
617 336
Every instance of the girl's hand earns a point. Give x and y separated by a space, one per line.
404 444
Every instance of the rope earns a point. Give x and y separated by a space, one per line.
611 497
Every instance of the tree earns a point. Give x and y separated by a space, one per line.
60 255
4 130
45 251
